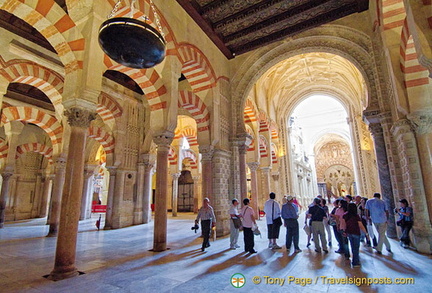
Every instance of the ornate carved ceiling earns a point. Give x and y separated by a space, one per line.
239 26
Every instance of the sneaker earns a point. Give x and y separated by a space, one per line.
276 247
252 251
270 245
233 248
298 250
318 250
237 246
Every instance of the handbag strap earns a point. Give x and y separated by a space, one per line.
272 209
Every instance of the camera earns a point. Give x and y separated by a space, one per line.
195 227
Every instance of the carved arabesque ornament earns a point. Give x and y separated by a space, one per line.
421 123
79 117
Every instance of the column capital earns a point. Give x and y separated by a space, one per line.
265 169
60 163
196 178
7 175
421 122
275 176
176 176
401 127
112 170
206 152
253 166
79 117
163 139
375 129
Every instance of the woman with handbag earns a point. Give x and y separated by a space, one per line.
248 215
235 224
405 221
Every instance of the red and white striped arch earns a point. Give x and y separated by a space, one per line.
172 156
196 68
150 83
178 134
198 110
415 75
251 146
191 136
107 108
250 113
35 147
191 157
103 137
263 122
3 149
393 14
274 158
274 130
263 149
48 18
26 72
143 8
45 121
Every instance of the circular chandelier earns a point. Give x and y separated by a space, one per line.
132 42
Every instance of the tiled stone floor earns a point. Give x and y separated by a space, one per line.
120 261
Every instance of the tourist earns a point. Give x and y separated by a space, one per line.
208 220
377 211
273 219
235 224
405 221
248 215
317 216
290 215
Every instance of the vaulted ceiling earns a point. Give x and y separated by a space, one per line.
239 26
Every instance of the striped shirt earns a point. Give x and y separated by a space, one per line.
206 213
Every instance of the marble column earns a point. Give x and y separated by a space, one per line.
414 187
207 171
37 199
254 186
87 193
175 178
197 194
384 175
275 181
242 171
149 163
3 196
422 125
59 179
138 205
46 192
110 198
163 142
64 266
266 189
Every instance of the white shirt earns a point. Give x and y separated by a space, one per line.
233 211
269 206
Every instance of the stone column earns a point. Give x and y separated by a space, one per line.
275 187
266 189
384 175
46 192
197 195
207 172
149 162
254 186
138 205
3 196
414 188
163 142
422 125
110 198
64 266
242 169
87 193
175 177
37 201
59 179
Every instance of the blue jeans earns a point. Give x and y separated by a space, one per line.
355 248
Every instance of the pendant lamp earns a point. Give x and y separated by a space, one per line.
132 42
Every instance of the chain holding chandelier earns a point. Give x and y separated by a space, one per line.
132 42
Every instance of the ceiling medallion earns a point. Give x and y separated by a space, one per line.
132 42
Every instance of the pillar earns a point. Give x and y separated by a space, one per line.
138 206
59 179
254 186
197 195
422 125
266 189
64 266
414 187
46 192
110 200
149 162
3 196
384 175
242 170
207 172
87 193
175 178
163 142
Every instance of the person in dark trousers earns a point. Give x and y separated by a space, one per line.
272 212
248 215
290 215
405 221
208 220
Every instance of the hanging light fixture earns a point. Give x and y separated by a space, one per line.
132 42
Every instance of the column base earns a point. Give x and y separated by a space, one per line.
423 244
63 273
159 247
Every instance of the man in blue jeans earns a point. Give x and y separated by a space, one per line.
290 215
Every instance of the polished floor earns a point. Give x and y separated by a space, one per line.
120 261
